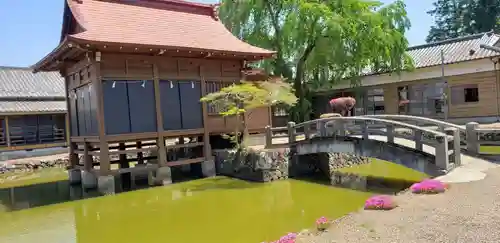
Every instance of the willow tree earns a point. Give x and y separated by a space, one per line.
321 43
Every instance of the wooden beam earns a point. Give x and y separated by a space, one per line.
105 166
207 150
186 161
7 131
87 158
160 140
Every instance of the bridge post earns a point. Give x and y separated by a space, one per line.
307 131
269 136
451 131
441 153
321 128
291 132
472 137
364 130
389 133
339 128
418 140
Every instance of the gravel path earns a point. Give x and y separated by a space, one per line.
468 212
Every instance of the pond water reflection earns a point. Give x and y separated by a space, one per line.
216 209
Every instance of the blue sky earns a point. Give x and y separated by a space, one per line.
31 28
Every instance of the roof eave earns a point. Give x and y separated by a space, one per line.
53 56
251 55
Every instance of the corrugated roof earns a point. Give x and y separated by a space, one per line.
455 50
158 23
20 82
12 107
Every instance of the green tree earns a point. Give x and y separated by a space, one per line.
237 99
321 43
455 18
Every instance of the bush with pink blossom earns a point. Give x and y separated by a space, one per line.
322 224
380 202
288 238
429 186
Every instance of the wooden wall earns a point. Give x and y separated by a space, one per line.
36 129
486 106
129 103
82 101
488 95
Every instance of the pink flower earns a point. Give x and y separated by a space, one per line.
380 202
288 238
322 223
429 186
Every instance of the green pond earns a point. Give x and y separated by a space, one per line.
208 210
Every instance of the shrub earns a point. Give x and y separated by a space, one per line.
322 223
429 186
380 202
288 238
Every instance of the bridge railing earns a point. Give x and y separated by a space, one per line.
478 137
472 137
424 121
444 143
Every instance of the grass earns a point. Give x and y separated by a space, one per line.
17 179
385 169
490 149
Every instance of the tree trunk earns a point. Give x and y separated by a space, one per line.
299 86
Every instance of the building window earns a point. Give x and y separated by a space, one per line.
403 100
375 102
471 94
212 87
463 94
279 111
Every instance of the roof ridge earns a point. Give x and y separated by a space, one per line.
448 41
15 67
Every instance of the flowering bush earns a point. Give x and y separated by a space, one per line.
429 186
288 238
322 223
380 202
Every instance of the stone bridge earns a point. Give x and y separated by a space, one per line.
428 145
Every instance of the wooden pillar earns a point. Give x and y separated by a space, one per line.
207 150
66 129
181 152
73 157
140 155
123 157
160 140
7 131
87 158
105 166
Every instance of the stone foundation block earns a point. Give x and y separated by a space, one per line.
89 180
74 176
162 176
106 184
208 168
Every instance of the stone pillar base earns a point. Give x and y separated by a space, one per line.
106 184
74 176
163 177
208 168
89 180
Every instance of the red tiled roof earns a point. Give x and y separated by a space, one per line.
156 23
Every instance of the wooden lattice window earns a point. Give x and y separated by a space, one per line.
280 111
212 87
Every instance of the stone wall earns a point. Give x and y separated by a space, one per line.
324 163
254 165
31 166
